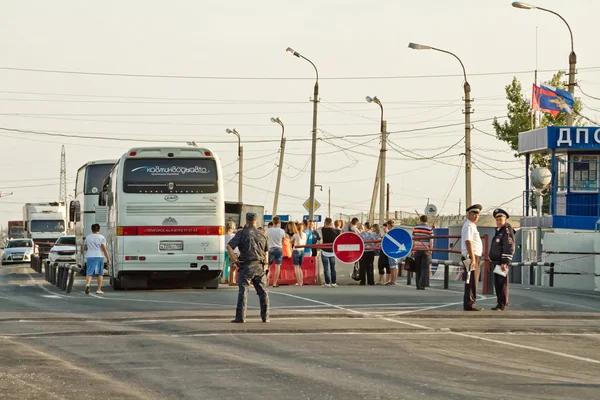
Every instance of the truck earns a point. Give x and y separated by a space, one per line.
236 212
44 223
15 230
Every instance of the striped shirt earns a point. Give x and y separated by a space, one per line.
425 232
366 235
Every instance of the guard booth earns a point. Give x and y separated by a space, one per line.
573 198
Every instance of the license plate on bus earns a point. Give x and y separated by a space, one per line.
170 246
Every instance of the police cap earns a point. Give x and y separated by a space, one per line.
476 208
498 212
251 217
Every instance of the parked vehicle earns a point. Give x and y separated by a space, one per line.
15 230
63 250
44 223
18 251
165 217
84 211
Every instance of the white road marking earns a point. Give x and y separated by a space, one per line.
50 296
521 346
352 311
43 288
426 308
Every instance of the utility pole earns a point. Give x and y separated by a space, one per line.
280 167
375 190
62 196
240 164
313 159
380 179
382 186
329 204
387 205
467 112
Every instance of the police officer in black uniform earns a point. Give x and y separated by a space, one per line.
254 250
501 253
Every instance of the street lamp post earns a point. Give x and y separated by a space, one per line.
240 163
381 166
313 162
572 56
280 167
467 89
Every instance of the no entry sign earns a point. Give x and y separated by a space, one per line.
348 247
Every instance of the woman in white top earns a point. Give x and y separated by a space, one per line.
95 247
299 239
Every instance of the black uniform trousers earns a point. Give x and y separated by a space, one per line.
366 268
422 262
501 286
471 288
252 273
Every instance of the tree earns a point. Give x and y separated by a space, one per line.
520 117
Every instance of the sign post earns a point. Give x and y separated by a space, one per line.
397 243
348 247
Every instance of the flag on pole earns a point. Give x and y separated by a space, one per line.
551 100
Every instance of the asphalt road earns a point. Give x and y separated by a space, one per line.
345 343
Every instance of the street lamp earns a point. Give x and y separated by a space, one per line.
380 178
280 167
572 56
467 89
313 162
240 163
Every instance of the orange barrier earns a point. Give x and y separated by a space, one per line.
286 272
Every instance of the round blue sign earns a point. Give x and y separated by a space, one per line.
397 243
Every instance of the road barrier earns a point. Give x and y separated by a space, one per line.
61 275
536 264
36 263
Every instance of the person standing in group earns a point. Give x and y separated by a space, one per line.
383 264
254 251
352 227
229 228
275 236
422 251
368 257
501 254
299 239
309 237
471 249
336 224
315 235
327 257
392 261
95 247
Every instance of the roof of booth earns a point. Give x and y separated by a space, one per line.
560 138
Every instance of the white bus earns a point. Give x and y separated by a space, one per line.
165 217
84 210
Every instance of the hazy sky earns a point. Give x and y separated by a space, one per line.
365 41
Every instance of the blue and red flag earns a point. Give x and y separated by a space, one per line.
551 100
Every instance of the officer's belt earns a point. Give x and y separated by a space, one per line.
251 263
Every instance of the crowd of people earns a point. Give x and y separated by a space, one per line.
291 241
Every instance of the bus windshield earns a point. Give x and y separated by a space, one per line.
48 225
95 176
173 175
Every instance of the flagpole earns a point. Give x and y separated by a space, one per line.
534 119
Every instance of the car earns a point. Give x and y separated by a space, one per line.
17 251
64 250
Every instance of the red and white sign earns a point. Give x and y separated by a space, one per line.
348 247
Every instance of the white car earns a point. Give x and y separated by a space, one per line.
17 251
63 250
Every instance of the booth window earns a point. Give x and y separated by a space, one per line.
584 174
562 164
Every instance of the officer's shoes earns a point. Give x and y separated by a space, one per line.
237 321
497 308
266 320
474 309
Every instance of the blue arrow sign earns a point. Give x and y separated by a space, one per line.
397 243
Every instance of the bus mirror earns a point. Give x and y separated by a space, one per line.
75 211
102 198
106 184
109 201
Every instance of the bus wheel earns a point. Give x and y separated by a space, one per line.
115 283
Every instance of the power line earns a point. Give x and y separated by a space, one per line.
587 95
248 78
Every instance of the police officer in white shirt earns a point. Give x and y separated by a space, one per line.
471 249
